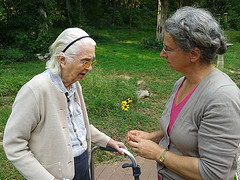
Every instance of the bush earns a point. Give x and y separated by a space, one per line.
151 44
35 43
13 55
234 20
27 45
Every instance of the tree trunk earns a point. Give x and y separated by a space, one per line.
80 7
130 20
162 17
214 9
158 30
44 26
179 3
114 11
68 7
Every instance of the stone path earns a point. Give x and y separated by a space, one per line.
116 172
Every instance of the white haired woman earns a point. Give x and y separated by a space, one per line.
48 135
200 125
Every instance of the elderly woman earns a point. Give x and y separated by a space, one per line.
48 135
200 126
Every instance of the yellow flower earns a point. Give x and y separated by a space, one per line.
125 107
128 100
124 103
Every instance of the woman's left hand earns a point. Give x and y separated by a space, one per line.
145 148
115 145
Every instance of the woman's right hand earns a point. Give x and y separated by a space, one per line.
140 134
153 136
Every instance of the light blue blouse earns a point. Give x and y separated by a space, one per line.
76 124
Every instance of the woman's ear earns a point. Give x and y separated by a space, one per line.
62 60
195 54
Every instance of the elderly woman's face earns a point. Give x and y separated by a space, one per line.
75 71
176 58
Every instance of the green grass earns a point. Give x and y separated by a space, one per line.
232 57
119 56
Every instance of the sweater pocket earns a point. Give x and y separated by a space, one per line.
55 169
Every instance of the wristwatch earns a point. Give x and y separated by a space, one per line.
162 157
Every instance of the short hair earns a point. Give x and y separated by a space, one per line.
196 28
62 41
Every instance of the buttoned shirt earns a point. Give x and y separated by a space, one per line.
75 117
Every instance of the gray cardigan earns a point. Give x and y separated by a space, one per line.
36 137
208 128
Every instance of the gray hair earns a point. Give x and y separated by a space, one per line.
196 28
62 41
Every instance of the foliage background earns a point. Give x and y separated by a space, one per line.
125 34
28 27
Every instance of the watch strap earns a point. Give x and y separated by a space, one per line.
162 157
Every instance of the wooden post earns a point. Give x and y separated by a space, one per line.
218 19
225 17
220 59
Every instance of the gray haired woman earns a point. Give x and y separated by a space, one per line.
48 135
199 134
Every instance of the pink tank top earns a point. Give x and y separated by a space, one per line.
176 109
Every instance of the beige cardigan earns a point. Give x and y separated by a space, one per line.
36 137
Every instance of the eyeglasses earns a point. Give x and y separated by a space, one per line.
165 50
87 64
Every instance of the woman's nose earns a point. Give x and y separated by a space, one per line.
163 54
89 68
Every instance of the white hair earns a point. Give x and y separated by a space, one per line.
62 41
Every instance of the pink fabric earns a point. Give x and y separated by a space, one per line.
176 109
159 178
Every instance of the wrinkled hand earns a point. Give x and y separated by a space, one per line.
115 145
140 134
144 147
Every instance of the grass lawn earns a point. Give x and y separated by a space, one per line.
121 65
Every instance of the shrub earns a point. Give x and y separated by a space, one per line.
12 55
151 44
